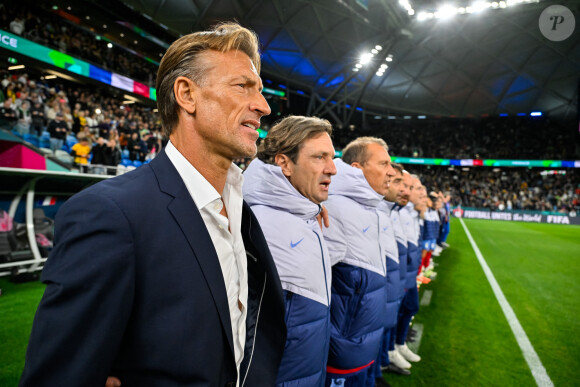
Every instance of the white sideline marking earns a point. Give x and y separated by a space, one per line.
414 346
538 371
426 299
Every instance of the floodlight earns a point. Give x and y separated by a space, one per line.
355 69
446 12
378 47
411 12
479 6
374 51
379 74
422 16
110 45
358 65
389 59
365 58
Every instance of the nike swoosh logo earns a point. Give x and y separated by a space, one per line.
385 228
365 229
292 245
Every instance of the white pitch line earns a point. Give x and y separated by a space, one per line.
414 346
538 371
426 299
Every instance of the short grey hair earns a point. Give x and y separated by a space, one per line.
356 150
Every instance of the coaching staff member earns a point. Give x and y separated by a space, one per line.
162 276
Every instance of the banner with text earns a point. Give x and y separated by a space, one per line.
515 216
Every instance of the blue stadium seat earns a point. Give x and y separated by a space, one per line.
125 154
137 163
31 139
126 162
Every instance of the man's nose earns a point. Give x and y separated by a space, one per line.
260 105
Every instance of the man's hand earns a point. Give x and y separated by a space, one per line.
113 382
323 217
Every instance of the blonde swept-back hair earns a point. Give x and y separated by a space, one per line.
356 150
287 136
183 59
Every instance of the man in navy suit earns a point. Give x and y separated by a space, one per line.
162 276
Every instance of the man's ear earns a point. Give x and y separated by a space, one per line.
356 164
284 163
185 92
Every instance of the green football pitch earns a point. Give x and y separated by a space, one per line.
466 338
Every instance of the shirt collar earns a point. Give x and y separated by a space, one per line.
202 192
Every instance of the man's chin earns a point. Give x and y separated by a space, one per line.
249 150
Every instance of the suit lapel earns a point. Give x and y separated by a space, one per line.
191 223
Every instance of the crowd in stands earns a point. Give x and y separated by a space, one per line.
88 123
51 30
533 138
469 138
508 188
60 116
117 132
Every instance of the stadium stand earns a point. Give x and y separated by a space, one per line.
507 188
39 23
474 138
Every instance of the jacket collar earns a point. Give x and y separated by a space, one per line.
189 219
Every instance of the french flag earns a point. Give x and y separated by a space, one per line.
47 201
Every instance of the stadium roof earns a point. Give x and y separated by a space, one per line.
492 62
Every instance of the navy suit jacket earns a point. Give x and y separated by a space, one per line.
135 290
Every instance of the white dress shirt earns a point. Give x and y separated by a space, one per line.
225 234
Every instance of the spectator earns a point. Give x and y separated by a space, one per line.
98 156
17 26
7 114
81 152
58 131
137 148
112 155
23 118
37 114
